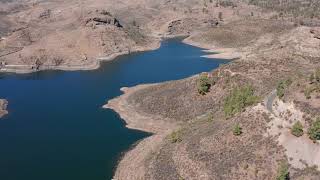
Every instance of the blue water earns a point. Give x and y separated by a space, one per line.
56 128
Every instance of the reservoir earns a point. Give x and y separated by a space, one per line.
56 128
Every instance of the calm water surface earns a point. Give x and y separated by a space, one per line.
56 128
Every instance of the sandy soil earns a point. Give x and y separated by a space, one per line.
219 53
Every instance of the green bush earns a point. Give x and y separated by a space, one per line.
238 100
314 130
282 85
237 130
297 129
283 172
203 84
175 137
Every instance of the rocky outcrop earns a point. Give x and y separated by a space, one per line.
316 33
102 17
45 14
3 107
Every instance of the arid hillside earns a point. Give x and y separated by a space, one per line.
254 118
71 35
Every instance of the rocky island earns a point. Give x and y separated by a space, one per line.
3 107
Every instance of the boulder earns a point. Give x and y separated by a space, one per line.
316 33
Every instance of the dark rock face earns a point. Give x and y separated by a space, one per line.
316 33
102 17
45 14
107 20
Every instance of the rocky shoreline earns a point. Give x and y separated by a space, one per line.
3 107
155 124
219 53
140 121
20 69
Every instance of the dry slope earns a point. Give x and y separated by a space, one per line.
204 146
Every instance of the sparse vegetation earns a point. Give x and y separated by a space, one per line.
308 91
315 77
226 3
314 130
175 136
237 130
282 85
210 117
297 129
239 99
299 9
314 81
283 172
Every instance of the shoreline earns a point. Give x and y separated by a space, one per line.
134 119
220 53
96 64
148 123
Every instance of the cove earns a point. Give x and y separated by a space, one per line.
56 128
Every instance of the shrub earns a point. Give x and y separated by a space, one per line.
297 129
283 172
205 83
314 130
282 85
238 100
175 137
311 78
315 77
237 130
